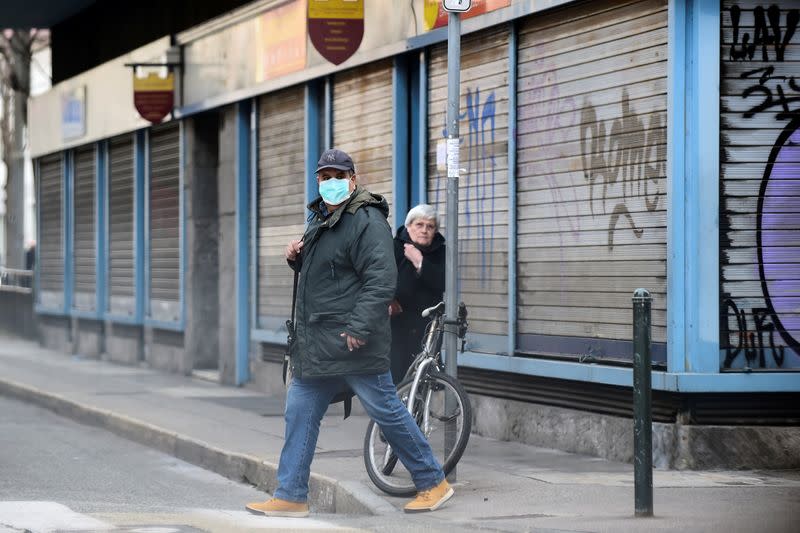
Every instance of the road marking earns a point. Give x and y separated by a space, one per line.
43 517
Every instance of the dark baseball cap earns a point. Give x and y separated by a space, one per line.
335 158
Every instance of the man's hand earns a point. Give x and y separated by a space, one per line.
395 308
352 342
413 254
292 249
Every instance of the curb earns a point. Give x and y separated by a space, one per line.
326 495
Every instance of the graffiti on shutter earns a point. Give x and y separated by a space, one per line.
591 177
760 189
165 241
51 228
84 251
281 200
121 259
483 185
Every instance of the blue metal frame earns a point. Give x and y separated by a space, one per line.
312 134
140 223
620 376
101 228
400 139
243 180
693 187
328 113
419 127
512 189
254 239
37 171
702 293
146 229
69 217
676 192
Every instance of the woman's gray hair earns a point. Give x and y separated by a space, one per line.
422 211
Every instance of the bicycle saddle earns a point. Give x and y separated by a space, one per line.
438 308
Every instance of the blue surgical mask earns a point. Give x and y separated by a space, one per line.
334 191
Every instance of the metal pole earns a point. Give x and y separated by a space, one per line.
451 230
642 416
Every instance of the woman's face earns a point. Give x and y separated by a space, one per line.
422 230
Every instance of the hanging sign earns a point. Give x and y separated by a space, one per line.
336 27
436 10
154 96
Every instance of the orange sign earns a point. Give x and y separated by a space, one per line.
284 39
336 27
154 96
436 16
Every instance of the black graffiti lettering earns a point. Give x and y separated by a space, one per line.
764 35
761 316
769 102
751 343
732 353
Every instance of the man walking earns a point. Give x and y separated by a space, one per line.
347 279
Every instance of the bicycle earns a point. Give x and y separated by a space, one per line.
437 401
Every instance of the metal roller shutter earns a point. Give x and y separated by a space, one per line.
362 123
760 185
483 187
165 239
85 249
281 199
591 176
121 225
51 231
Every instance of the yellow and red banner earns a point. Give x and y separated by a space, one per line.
283 35
336 27
154 96
436 16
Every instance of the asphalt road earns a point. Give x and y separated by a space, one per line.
58 475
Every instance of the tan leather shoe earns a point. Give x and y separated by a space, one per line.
278 507
431 499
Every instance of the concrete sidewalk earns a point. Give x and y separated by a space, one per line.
238 432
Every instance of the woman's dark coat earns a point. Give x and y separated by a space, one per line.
415 292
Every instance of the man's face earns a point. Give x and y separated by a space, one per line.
328 173
422 231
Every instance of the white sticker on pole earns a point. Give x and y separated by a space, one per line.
452 158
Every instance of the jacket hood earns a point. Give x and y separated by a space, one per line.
438 239
361 197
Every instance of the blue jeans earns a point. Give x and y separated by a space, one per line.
306 403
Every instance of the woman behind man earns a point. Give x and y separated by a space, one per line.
420 254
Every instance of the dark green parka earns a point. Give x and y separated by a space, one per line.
347 279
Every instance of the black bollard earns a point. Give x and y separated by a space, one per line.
642 415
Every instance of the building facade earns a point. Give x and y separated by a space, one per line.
606 145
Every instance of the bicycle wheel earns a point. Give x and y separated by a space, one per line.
382 466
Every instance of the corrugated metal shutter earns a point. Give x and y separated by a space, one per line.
165 241
362 123
760 189
281 199
121 225
51 231
483 187
591 176
85 249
